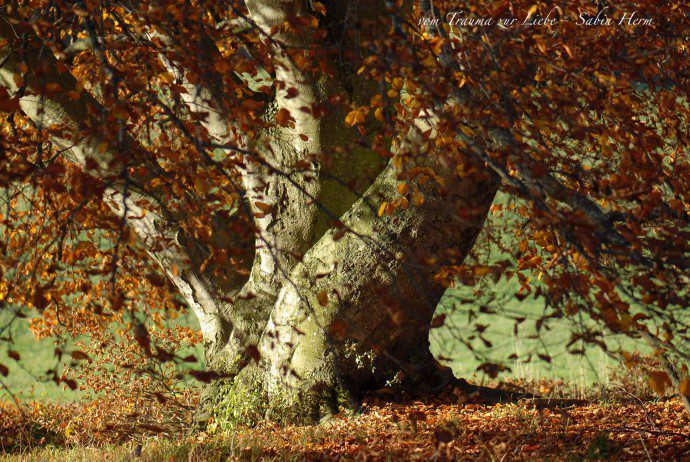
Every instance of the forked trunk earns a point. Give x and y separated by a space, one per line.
355 313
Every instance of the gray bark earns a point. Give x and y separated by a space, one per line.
381 295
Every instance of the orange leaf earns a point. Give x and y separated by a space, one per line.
685 387
482 270
322 298
284 118
659 381
263 206
319 8
382 209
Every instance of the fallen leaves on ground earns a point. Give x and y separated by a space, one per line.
427 428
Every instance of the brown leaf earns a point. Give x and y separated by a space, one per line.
7 103
438 321
685 387
284 119
322 297
659 381
254 352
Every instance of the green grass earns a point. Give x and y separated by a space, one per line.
27 377
577 370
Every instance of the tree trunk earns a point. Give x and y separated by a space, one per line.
355 313
143 209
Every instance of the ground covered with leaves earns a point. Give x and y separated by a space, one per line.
452 426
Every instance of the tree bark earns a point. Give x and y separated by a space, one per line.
357 311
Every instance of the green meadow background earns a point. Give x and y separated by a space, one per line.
27 377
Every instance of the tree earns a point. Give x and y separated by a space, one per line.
311 177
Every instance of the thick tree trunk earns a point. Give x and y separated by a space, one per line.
355 313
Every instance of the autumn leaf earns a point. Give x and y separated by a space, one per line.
284 119
7 103
482 270
264 207
382 209
356 116
319 7
438 321
659 381
322 297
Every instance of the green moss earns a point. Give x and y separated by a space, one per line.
318 403
236 402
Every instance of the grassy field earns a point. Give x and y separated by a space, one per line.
25 378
